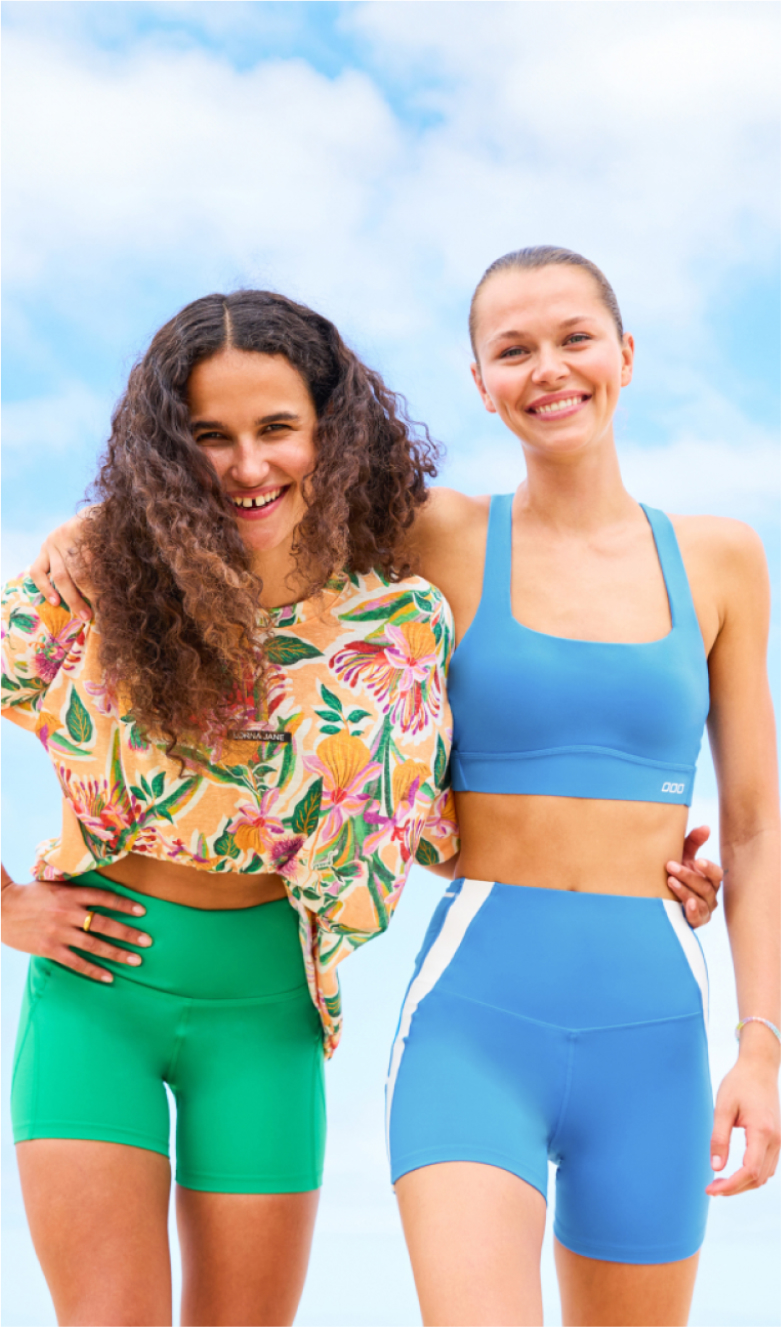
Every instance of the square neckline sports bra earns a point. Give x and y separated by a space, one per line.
554 716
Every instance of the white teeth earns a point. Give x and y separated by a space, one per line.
554 407
257 503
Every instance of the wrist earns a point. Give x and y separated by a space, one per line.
759 1043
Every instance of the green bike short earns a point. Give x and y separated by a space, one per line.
219 1011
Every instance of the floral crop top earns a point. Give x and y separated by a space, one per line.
335 783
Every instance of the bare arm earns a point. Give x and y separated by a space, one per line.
742 733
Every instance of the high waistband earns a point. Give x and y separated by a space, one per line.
209 954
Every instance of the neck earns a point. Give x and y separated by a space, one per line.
579 493
282 583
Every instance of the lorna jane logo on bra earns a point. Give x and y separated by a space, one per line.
673 787
260 735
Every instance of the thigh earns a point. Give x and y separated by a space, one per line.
249 1088
633 1144
474 1234
609 1294
244 1256
90 1059
98 1215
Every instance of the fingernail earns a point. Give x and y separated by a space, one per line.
715 1162
135 959
53 599
144 940
673 866
138 910
673 883
107 977
85 615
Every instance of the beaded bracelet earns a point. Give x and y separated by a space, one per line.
754 1018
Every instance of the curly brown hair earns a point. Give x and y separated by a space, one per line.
176 600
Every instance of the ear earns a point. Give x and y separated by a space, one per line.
480 385
627 358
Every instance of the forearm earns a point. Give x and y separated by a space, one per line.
752 906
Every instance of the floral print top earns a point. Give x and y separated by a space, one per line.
335 781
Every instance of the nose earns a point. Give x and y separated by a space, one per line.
550 366
250 465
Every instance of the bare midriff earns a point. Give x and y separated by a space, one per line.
594 847
191 887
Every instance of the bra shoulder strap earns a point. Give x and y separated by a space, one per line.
497 574
679 594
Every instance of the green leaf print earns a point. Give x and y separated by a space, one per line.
225 846
176 800
288 761
9 684
398 608
23 621
255 865
330 698
440 764
330 729
138 792
158 784
307 813
289 650
330 716
355 716
77 720
426 854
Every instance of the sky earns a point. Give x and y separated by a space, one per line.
371 159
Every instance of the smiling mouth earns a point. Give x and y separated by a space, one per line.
260 501
560 407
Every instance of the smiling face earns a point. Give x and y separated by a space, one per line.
253 416
550 362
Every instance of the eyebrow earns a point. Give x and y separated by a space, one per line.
279 415
565 322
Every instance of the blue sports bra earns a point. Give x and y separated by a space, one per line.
549 716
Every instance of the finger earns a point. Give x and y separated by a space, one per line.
723 1120
92 945
101 898
39 575
101 925
694 840
695 883
740 1182
698 910
68 959
68 589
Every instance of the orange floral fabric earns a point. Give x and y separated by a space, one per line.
336 780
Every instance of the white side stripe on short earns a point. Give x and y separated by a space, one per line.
461 914
691 948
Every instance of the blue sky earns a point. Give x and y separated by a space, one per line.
371 159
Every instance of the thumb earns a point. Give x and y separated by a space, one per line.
719 1143
694 841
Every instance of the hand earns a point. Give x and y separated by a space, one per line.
694 881
47 919
57 564
747 1099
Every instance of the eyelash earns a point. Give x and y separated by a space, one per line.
512 351
220 437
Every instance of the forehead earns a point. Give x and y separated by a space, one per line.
533 300
233 376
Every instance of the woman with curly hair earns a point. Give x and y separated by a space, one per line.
255 713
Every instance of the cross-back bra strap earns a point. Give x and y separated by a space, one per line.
497 575
679 594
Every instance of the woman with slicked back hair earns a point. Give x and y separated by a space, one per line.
359 504
558 1008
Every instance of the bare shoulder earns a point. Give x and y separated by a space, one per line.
445 513
732 546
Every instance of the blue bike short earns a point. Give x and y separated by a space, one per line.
545 1025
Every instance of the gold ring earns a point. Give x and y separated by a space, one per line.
88 920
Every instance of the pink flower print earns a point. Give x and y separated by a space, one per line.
401 672
62 631
105 700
